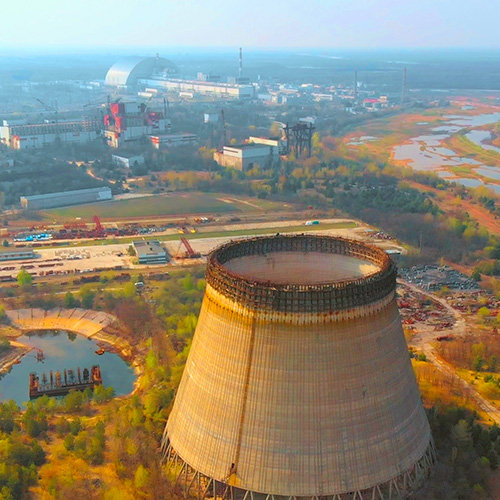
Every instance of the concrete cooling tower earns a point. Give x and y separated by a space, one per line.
298 382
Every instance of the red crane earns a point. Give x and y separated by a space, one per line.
190 253
99 231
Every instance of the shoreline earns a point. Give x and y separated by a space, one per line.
90 324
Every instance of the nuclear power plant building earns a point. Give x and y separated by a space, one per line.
158 73
298 382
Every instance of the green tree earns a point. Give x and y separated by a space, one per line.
69 300
141 478
87 294
73 401
478 363
129 290
483 313
103 394
24 278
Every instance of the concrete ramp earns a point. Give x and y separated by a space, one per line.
83 321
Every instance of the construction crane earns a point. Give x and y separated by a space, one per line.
54 110
190 253
99 231
98 101
145 106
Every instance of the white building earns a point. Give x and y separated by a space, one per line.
247 156
44 134
274 142
172 140
127 161
196 87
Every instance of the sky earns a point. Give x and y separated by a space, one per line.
266 24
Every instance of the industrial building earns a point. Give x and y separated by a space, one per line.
150 252
151 74
128 122
127 161
173 140
274 142
298 383
126 72
7 254
196 87
65 198
247 156
131 121
32 136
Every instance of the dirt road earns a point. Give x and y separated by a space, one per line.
423 340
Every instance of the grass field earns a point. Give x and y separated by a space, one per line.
164 205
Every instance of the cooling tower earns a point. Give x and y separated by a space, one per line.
298 382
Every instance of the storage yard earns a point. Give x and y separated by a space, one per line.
433 278
202 234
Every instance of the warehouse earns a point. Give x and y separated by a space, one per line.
247 156
150 252
17 254
197 87
39 135
62 199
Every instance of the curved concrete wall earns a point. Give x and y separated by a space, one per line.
83 321
297 403
301 406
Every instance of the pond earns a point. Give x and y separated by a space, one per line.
63 350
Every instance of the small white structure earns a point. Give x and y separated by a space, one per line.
127 161
211 117
172 140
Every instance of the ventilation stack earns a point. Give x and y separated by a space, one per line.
298 382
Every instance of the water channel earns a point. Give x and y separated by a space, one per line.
63 350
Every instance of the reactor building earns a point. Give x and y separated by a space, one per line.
153 74
298 382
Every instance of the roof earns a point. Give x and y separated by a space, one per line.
128 70
65 193
148 247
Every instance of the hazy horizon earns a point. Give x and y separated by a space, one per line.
187 24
